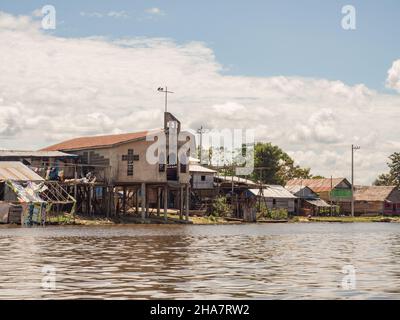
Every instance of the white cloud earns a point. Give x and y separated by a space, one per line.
393 79
118 14
53 88
10 22
112 14
155 11
321 126
91 14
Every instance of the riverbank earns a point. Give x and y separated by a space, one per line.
206 220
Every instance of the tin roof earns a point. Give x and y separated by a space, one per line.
317 185
17 171
96 141
273 191
372 193
297 188
35 154
198 168
236 180
318 203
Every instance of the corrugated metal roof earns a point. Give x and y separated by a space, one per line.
236 180
317 185
318 203
198 168
372 193
296 188
33 154
96 141
17 171
273 191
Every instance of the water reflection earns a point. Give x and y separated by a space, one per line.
297 261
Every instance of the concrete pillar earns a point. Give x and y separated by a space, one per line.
187 202
165 202
143 198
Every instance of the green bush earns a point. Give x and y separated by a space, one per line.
278 214
220 207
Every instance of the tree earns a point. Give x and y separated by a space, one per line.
393 177
274 166
384 180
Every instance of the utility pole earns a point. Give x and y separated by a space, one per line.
201 131
353 147
161 89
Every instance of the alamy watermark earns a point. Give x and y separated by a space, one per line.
349 281
224 147
48 15
349 21
49 277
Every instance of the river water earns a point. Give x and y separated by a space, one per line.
254 261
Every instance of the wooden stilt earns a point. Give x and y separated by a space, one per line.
147 204
166 203
137 201
187 202
143 196
181 203
158 201
124 201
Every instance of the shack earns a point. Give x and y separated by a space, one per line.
372 200
335 190
19 198
47 164
202 185
275 197
308 202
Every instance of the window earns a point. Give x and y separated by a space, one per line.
130 162
203 178
129 171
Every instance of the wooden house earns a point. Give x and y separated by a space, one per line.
308 202
372 200
202 178
132 164
275 197
335 190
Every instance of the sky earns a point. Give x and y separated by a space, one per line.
287 69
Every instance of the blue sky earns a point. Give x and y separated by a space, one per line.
253 38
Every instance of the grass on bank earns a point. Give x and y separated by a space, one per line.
68 219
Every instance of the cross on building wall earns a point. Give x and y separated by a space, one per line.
130 157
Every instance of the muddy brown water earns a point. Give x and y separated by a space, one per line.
259 261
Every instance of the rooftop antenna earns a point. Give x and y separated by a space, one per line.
161 89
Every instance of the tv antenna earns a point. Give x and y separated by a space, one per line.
161 89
